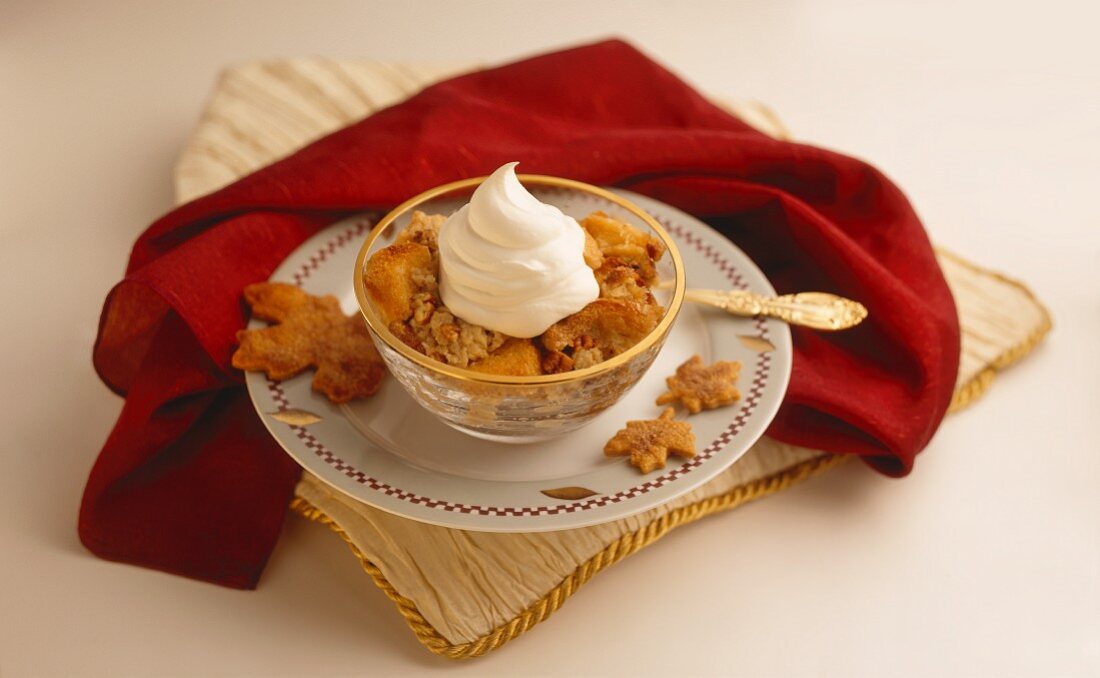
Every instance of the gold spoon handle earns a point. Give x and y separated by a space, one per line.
817 310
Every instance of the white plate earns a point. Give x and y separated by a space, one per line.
388 452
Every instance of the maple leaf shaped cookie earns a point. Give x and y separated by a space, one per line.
700 387
310 332
650 441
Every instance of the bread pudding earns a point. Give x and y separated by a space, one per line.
403 282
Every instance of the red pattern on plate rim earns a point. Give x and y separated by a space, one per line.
759 381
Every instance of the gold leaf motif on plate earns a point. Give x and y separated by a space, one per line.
295 417
758 344
570 493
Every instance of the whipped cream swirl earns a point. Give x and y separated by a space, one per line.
511 263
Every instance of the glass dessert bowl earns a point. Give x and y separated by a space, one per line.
502 385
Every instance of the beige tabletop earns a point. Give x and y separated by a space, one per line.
986 561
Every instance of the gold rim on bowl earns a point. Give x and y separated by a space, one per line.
381 330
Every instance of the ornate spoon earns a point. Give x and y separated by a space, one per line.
817 310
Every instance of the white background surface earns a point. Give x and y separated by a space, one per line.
986 561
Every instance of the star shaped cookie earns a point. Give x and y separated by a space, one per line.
700 387
650 441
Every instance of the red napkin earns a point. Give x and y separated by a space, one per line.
189 481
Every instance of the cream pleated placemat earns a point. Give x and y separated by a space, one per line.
465 593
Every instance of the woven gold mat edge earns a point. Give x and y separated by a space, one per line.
611 554
632 542
977 385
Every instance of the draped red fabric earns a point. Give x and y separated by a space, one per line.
189 482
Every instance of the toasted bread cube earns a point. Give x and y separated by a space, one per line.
516 358
422 229
621 240
612 325
393 275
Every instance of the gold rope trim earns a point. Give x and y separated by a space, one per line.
630 543
611 554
